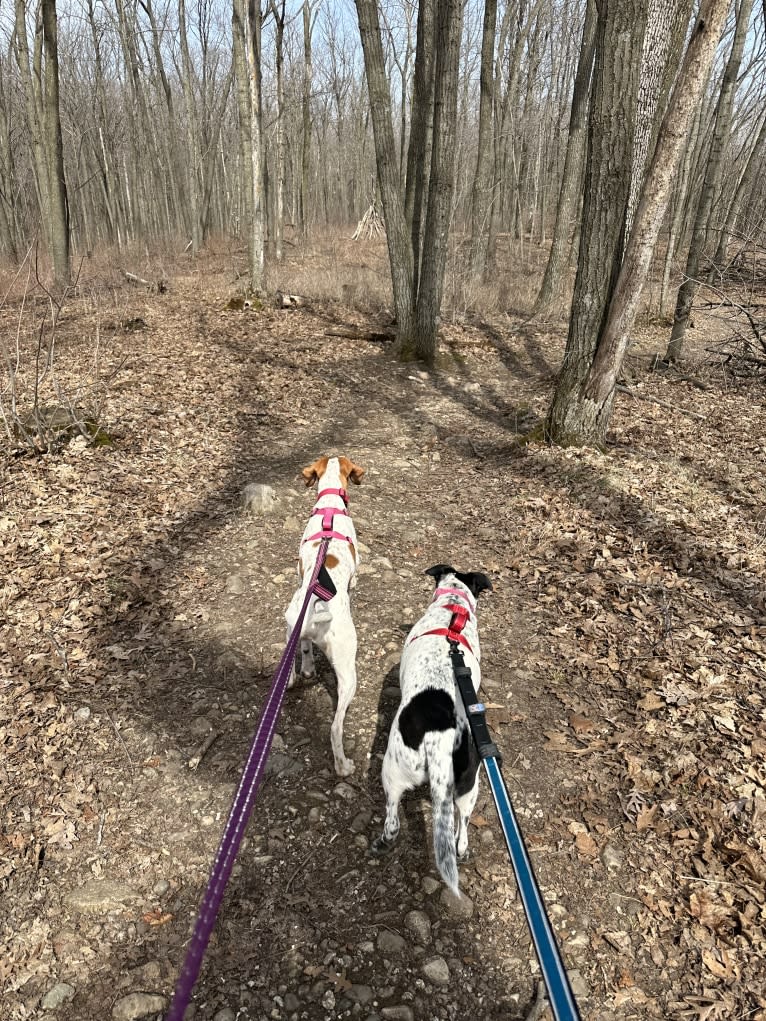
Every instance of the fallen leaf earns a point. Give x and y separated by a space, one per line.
157 917
580 724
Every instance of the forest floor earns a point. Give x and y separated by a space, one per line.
142 612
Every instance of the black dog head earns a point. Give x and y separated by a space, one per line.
474 581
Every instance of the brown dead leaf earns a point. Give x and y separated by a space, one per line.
478 821
710 912
645 817
586 845
157 917
650 702
580 724
720 962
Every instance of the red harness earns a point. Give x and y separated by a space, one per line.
454 632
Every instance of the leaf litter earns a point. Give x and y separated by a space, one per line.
623 648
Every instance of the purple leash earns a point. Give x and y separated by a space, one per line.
242 804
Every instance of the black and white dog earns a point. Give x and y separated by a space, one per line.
430 737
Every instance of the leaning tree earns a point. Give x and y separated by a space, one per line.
612 268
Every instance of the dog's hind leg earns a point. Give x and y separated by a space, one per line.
307 658
394 786
465 805
342 656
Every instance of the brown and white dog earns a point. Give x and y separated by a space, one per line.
329 624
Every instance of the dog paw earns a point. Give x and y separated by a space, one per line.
464 856
381 846
345 767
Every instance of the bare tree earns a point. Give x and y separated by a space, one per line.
584 395
713 173
571 182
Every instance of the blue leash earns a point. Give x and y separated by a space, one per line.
554 973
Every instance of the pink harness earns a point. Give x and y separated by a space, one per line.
328 513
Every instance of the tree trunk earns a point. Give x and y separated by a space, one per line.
247 22
306 157
386 158
192 143
619 36
744 188
713 173
571 182
666 27
581 413
448 27
673 133
421 134
481 204
279 213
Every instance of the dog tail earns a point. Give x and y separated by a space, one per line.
438 748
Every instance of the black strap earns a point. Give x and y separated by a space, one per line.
326 582
474 710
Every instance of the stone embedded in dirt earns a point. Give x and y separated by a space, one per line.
430 885
390 942
292 1002
234 585
227 1014
359 994
399 1013
160 888
345 791
419 924
136 1005
436 971
361 841
578 984
384 562
292 523
611 857
314 815
259 499
328 1000
456 907
99 896
82 714
361 821
279 764
61 993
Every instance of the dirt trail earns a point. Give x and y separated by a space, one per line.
168 602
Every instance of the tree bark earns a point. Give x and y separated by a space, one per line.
619 38
713 173
386 158
448 27
306 153
571 183
581 411
481 204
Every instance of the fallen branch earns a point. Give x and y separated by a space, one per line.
204 748
133 279
663 404
360 333
538 1007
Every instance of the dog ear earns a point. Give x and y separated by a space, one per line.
314 471
352 471
439 570
475 581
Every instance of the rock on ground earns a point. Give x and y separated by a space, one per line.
59 994
99 896
436 971
137 1005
